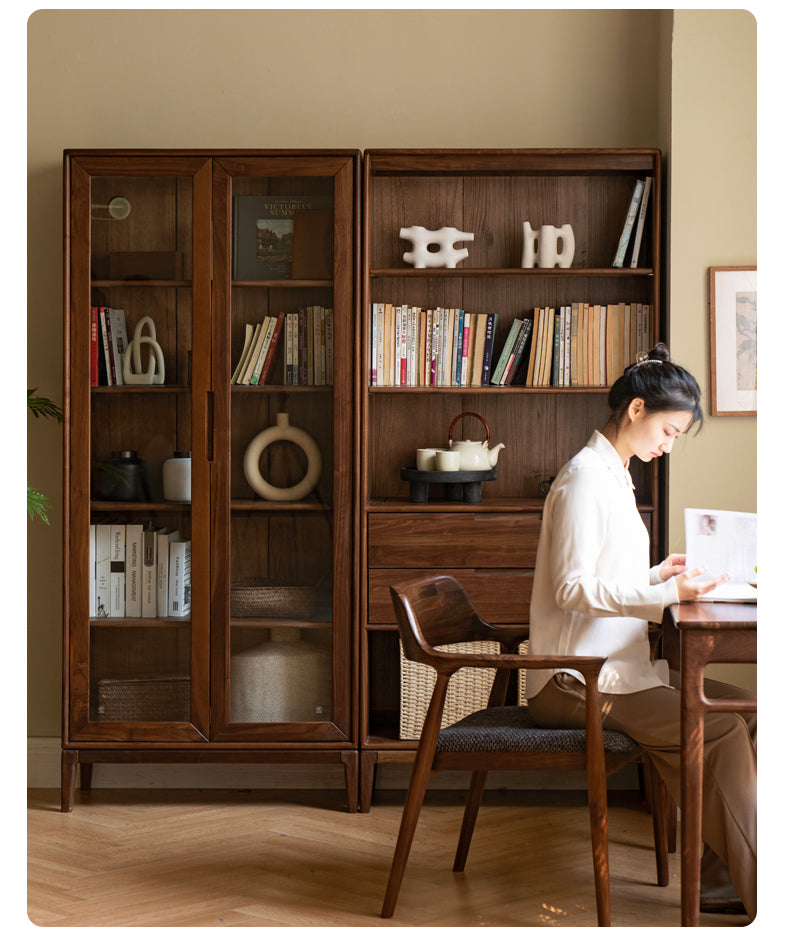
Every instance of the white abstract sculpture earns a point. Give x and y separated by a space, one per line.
542 247
446 256
156 360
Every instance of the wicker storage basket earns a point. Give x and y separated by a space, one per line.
256 599
467 692
150 699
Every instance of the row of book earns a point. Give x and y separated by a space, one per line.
308 349
634 223
109 340
581 344
139 571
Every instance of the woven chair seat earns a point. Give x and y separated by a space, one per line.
514 729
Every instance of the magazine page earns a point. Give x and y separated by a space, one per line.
725 541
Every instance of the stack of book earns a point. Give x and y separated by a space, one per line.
139 571
308 348
109 340
634 224
411 346
586 344
581 344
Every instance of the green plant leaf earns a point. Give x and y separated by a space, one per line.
42 407
37 504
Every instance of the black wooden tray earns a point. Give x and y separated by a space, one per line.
466 486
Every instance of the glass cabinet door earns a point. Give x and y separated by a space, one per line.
139 324
283 302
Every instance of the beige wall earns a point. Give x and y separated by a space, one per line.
713 211
313 79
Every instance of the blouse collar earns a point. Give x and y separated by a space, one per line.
604 448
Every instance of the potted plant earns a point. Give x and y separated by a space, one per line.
41 407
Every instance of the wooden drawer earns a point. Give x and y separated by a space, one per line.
498 595
453 540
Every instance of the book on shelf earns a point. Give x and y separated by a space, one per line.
163 541
130 571
180 579
117 570
308 352
134 544
507 348
102 609
148 574
252 370
413 346
628 225
263 235
92 571
249 332
119 342
521 347
640 223
94 345
243 377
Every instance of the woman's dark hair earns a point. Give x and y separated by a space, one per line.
660 383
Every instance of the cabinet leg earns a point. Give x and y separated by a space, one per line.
350 761
86 776
367 779
68 777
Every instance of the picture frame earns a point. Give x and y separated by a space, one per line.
733 340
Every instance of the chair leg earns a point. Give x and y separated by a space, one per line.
415 795
659 798
473 801
596 797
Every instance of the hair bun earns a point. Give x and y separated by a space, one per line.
660 353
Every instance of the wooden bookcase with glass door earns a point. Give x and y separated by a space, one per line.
489 545
261 666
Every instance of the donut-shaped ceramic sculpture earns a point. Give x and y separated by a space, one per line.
282 431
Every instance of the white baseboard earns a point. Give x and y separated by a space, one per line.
43 772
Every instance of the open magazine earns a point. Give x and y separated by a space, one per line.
726 542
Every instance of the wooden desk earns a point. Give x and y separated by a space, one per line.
694 635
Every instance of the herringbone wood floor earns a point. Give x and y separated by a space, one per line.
259 858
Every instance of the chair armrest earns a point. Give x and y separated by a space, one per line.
448 663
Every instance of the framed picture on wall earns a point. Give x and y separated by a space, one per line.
733 340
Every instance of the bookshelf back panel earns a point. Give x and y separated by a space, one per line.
170 308
494 209
540 433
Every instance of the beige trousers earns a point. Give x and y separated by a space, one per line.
729 782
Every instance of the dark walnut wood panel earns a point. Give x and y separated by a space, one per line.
498 595
453 540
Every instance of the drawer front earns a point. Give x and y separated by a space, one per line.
453 540
498 595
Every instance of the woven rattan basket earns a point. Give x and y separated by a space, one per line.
467 692
149 699
257 599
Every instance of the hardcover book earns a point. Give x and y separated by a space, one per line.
263 233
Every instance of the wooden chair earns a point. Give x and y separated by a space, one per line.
436 612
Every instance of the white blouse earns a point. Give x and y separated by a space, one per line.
594 591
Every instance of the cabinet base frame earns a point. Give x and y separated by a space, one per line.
85 758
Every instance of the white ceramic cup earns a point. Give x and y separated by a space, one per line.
425 459
448 460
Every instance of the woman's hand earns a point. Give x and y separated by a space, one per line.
688 589
673 565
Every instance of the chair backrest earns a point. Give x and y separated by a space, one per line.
436 611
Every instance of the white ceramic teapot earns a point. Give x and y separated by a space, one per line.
475 455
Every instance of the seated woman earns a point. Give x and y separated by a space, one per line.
594 594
